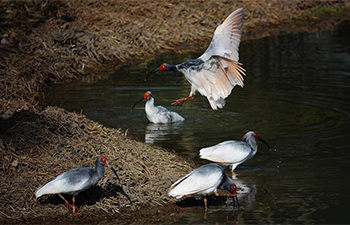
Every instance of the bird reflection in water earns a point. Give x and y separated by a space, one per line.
246 195
159 132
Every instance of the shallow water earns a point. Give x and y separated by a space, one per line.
296 96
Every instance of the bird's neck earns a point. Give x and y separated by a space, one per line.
172 67
100 169
149 104
226 184
252 143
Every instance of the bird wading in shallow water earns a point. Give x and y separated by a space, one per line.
158 114
75 181
203 181
233 152
217 71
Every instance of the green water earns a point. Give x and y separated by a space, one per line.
296 96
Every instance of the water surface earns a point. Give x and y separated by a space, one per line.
296 96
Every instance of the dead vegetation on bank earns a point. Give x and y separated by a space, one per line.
43 42
37 146
48 41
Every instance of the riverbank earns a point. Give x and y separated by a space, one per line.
50 42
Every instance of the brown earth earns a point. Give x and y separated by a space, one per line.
45 42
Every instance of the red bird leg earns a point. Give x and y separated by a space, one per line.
74 208
181 100
205 202
66 202
235 199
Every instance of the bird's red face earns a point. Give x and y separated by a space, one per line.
103 160
255 135
146 95
234 187
162 67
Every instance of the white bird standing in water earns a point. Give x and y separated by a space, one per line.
233 152
217 71
203 181
158 114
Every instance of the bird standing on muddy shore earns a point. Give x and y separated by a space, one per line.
233 152
74 181
217 71
203 181
158 114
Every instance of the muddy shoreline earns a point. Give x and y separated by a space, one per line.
46 42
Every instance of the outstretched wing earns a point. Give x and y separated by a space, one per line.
221 70
227 38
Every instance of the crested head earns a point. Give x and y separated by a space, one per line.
249 135
163 67
167 67
148 95
227 184
103 160
233 189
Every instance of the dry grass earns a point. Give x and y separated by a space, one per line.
49 41
37 146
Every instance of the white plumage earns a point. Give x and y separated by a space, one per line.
203 181
232 152
82 179
199 182
74 181
217 71
158 114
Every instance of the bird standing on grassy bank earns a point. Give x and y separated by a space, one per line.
158 114
215 73
74 181
202 181
233 152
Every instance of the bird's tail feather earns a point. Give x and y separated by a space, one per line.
215 104
47 188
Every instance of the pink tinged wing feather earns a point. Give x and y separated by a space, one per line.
226 37
220 71
217 78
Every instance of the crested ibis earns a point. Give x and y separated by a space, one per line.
74 181
233 152
217 71
158 114
203 181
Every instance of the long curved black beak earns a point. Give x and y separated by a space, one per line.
155 71
132 108
262 140
115 172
